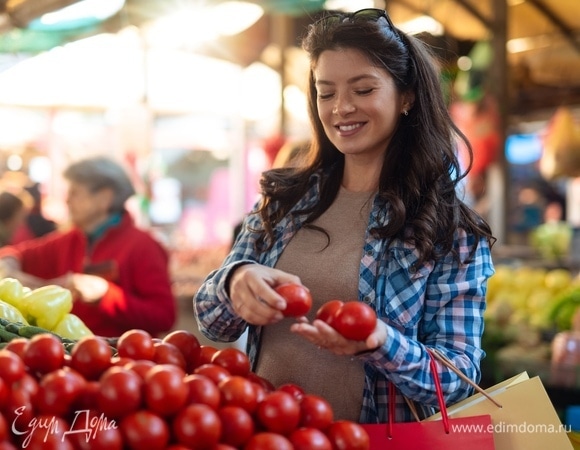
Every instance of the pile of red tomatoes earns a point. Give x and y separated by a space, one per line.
149 394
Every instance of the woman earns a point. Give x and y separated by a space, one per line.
374 216
117 272
13 210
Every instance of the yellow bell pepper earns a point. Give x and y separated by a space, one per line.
71 327
47 305
11 313
11 291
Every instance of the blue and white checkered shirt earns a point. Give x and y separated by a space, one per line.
440 306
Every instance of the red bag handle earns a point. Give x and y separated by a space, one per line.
438 390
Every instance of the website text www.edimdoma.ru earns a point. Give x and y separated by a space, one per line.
503 427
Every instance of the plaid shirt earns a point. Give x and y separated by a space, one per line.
440 305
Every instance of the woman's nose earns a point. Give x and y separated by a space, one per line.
342 106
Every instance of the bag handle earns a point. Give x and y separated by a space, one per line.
447 363
438 390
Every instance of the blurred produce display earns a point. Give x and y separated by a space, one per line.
552 240
47 308
523 302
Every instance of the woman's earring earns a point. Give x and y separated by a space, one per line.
405 112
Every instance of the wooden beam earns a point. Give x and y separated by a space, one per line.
556 20
468 7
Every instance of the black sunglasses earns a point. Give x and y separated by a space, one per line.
362 15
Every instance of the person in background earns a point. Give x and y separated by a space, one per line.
118 273
13 211
372 216
36 224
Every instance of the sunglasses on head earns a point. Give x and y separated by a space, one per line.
362 15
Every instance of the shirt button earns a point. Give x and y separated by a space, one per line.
367 299
369 253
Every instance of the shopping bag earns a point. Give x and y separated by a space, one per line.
522 414
473 432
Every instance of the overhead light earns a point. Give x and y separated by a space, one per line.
348 5
195 24
79 14
422 24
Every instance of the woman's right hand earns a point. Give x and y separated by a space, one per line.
253 296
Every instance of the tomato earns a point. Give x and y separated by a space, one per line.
238 391
27 383
120 392
296 391
202 389
309 439
189 346
144 430
91 356
328 310
232 359
87 398
197 426
4 433
11 366
315 412
19 410
268 441
213 371
58 391
17 345
90 430
298 299
136 344
4 393
355 320
347 435
140 366
205 354
167 353
49 434
279 412
44 353
237 425
165 391
266 384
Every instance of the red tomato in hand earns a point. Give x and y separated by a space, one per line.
355 320
298 299
327 311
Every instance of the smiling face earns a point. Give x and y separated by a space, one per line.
358 103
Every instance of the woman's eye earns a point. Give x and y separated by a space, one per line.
364 91
324 96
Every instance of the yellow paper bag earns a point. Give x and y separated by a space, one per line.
526 419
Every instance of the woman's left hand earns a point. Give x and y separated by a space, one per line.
324 336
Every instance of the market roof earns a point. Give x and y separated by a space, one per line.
543 36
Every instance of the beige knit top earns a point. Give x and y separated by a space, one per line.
330 272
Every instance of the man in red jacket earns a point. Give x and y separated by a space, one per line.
118 273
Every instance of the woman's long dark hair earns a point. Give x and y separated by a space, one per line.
420 172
